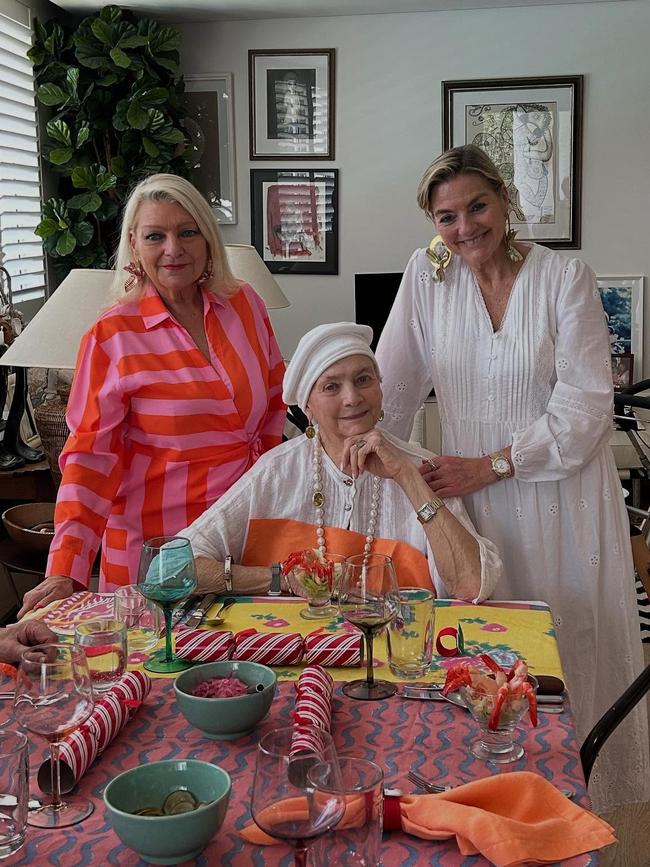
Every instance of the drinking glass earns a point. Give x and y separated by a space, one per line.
410 634
14 791
53 697
167 575
285 803
141 617
319 596
496 745
356 842
368 598
104 644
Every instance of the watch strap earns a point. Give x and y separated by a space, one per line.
275 589
227 572
428 511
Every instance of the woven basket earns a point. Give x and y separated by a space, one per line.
50 421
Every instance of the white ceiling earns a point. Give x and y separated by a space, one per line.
232 10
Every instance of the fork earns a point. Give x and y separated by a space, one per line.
433 789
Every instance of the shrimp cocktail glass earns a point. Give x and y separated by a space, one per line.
314 575
369 599
167 575
498 699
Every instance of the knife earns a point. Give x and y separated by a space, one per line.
199 611
182 612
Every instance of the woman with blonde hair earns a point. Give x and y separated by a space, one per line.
177 392
512 336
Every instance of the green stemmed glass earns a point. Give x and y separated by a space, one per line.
167 576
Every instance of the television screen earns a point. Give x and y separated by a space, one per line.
373 298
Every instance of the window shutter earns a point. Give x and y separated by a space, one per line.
20 184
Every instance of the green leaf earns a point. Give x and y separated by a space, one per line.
167 39
89 53
157 120
40 31
36 55
111 14
83 134
58 130
171 65
86 202
51 94
66 243
107 80
120 58
46 228
83 232
132 41
105 181
155 96
108 210
150 147
118 166
137 117
102 30
60 156
72 78
173 136
83 178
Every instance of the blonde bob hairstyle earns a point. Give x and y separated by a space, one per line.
450 164
172 188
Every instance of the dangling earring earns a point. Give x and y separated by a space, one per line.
382 416
137 273
310 430
511 251
208 274
440 255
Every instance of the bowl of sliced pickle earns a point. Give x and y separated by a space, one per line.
168 811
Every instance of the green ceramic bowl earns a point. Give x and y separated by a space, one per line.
167 839
225 718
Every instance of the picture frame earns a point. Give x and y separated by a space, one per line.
210 125
294 219
622 299
622 369
532 130
291 103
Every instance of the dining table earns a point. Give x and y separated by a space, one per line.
431 737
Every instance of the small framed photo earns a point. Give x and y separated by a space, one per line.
622 299
532 130
291 104
622 369
294 219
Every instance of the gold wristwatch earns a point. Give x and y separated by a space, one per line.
227 572
501 466
429 510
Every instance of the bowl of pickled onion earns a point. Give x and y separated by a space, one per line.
225 700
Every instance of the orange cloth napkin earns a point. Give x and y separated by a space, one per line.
510 819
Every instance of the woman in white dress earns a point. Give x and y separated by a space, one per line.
513 338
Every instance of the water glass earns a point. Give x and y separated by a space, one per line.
356 840
142 618
104 644
410 634
14 791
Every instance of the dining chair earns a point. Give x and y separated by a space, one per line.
611 719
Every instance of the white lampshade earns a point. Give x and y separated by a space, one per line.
246 263
53 336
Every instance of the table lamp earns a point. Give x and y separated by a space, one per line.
52 338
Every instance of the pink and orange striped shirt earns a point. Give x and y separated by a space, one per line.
158 432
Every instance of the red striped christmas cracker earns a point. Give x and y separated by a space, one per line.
269 648
204 645
314 678
334 651
313 709
111 713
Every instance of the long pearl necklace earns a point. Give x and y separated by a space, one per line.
318 500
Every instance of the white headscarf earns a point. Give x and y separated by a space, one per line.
319 349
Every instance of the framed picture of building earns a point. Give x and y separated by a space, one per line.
291 104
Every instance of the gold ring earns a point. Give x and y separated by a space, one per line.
360 444
433 466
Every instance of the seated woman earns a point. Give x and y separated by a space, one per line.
344 487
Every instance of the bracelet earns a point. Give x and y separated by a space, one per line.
227 572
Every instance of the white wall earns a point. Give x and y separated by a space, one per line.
388 126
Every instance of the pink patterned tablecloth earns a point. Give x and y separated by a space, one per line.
433 737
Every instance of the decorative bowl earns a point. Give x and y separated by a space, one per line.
31 525
226 718
167 839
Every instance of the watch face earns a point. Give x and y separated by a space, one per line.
501 466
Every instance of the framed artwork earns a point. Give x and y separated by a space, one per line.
622 299
622 369
291 104
294 219
532 130
209 125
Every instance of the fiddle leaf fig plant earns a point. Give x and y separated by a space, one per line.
112 86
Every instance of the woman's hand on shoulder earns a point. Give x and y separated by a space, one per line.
451 476
54 587
374 453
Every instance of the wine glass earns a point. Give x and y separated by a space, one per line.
53 697
167 575
285 803
369 599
